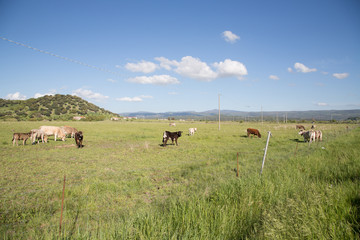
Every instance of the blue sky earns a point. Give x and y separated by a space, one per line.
158 56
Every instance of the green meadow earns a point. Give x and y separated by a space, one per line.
124 185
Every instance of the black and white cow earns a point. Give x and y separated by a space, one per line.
172 135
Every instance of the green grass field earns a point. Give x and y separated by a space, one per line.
124 185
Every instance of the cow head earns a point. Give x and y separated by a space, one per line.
179 133
164 136
79 135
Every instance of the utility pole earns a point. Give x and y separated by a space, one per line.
219 112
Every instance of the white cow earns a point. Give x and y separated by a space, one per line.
309 136
172 124
37 134
192 131
52 130
318 135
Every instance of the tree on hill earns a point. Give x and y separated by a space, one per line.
51 107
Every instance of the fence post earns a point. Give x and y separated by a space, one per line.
62 205
267 143
297 143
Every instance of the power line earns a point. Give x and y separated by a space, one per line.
61 57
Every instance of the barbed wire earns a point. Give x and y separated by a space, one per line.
60 57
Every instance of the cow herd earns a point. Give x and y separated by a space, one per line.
43 132
309 136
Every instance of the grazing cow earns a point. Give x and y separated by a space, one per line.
20 136
172 124
300 127
172 135
52 130
309 136
313 126
78 139
254 132
69 130
37 134
318 135
192 131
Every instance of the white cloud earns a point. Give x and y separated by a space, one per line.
51 93
322 104
290 70
341 75
83 93
133 99
304 69
191 67
274 77
230 37
156 79
111 80
130 99
143 66
15 96
194 68
230 68
166 63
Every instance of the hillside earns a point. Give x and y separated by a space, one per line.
56 107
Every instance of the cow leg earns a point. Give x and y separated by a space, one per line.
166 139
176 141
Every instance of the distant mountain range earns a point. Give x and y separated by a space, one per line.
64 107
321 115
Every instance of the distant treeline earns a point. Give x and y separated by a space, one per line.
281 116
55 107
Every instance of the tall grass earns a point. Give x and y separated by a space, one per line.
124 185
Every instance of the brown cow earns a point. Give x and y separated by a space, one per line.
20 136
254 132
300 127
78 139
70 130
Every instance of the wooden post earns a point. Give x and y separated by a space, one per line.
297 143
237 173
62 205
267 144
